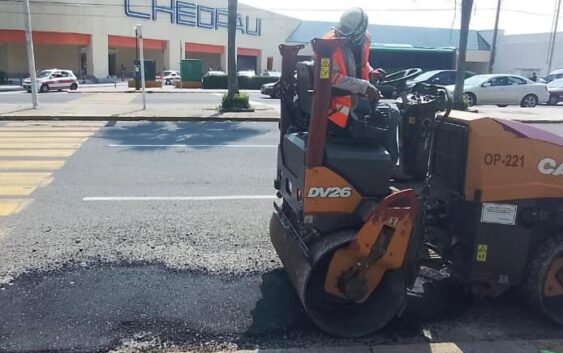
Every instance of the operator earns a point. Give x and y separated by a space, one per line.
351 72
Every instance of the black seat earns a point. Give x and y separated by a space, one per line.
305 74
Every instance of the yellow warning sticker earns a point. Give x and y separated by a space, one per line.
482 252
325 68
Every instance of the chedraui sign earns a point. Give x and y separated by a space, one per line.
190 14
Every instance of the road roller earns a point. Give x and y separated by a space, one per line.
352 240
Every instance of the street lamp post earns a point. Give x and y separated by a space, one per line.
30 54
139 30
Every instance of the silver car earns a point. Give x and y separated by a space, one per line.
503 90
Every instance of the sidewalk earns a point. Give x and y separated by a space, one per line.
122 88
127 106
121 107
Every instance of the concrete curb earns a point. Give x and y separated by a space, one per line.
138 118
187 118
15 89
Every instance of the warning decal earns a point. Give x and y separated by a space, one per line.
325 68
499 213
482 252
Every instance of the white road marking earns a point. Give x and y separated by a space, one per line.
187 145
180 198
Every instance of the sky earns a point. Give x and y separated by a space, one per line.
517 16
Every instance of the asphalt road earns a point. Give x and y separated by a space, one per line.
156 234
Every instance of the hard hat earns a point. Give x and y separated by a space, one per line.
353 22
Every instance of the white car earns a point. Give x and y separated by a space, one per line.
170 77
53 79
503 90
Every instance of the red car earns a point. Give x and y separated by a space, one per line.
555 89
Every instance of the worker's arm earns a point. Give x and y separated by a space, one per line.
348 83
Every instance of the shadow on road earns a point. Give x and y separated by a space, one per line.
149 136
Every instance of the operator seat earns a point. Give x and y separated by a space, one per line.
356 153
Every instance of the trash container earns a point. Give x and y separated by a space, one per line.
191 70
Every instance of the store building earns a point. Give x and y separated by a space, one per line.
99 38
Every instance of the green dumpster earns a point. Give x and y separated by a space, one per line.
150 69
191 70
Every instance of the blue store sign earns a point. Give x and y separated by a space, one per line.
194 15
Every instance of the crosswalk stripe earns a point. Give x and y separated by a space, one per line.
41 139
53 153
46 134
47 129
12 206
24 178
34 147
28 145
17 190
55 124
48 165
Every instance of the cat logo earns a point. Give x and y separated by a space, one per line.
549 166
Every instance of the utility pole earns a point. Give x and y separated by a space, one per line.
30 54
553 37
139 30
466 6
494 44
137 61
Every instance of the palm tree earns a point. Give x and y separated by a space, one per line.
466 6
232 48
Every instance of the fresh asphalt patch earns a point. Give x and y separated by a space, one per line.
99 307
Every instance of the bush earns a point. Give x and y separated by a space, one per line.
221 82
237 102
215 82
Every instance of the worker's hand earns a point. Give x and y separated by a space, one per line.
373 94
377 74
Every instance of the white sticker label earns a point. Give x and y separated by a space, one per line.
499 213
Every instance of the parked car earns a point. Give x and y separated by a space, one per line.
246 73
269 89
555 89
53 79
503 90
437 77
169 77
554 75
214 73
272 73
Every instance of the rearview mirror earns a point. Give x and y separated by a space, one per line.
487 84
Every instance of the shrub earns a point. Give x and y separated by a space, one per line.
221 82
237 102
215 82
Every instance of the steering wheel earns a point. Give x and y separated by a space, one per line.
401 77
